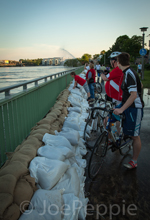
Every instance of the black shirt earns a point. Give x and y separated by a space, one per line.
131 83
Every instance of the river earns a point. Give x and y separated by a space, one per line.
13 75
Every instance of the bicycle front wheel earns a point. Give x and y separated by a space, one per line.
98 88
93 127
97 155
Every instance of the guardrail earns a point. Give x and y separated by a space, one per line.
20 112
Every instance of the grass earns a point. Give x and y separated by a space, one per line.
146 80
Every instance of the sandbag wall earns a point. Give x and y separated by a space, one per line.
16 184
59 168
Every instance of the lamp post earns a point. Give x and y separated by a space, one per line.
143 29
149 50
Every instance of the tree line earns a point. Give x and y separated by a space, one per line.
122 44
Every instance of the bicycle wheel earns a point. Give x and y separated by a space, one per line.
98 88
126 145
93 127
97 155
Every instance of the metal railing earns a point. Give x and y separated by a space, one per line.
20 112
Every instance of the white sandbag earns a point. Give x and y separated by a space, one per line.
72 119
76 92
55 153
80 151
70 182
83 201
71 206
77 96
54 140
74 109
74 114
47 203
71 124
74 102
81 162
47 172
80 172
71 134
32 215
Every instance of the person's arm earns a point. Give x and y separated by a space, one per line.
130 100
75 84
104 77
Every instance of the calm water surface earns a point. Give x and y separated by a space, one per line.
13 75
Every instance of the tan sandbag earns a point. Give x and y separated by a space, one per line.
64 111
17 148
40 131
68 103
55 127
58 103
31 181
29 150
53 114
23 192
12 213
5 164
24 159
52 132
7 184
61 120
6 200
50 119
42 126
39 137
57 111
15 168
43 121
31 140
58 107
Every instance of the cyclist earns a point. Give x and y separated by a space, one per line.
113 80
132 105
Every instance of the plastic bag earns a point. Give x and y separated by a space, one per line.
70 182
74 109
55 153
47 172
54 140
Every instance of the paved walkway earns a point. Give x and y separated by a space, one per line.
115 185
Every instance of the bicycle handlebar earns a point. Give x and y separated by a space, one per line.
110 111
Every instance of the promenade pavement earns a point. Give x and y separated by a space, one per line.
116 186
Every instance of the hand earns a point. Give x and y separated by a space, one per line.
74 87
117 111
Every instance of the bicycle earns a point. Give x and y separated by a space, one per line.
123 143
95 125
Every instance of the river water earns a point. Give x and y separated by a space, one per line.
13 75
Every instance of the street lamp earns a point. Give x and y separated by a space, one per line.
149 50
143 29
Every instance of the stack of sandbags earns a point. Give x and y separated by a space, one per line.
16 185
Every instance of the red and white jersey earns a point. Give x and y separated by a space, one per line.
113 86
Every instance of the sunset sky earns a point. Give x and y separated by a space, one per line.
39 29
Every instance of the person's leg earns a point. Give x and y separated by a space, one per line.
136 147
92 91
86 88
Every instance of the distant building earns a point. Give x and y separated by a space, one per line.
55 61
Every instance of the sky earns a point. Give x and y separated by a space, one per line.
31 29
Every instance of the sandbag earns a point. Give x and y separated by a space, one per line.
73 202
15 168
70 182
7 184
31 215
47 172
23 192
71 134
55 153
54 140
6 200
74 109
71 124
12 213
48 202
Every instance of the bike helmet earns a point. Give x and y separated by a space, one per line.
113 55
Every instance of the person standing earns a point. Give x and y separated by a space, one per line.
102 69
90 77
113 80
139 68
97 68
132 106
